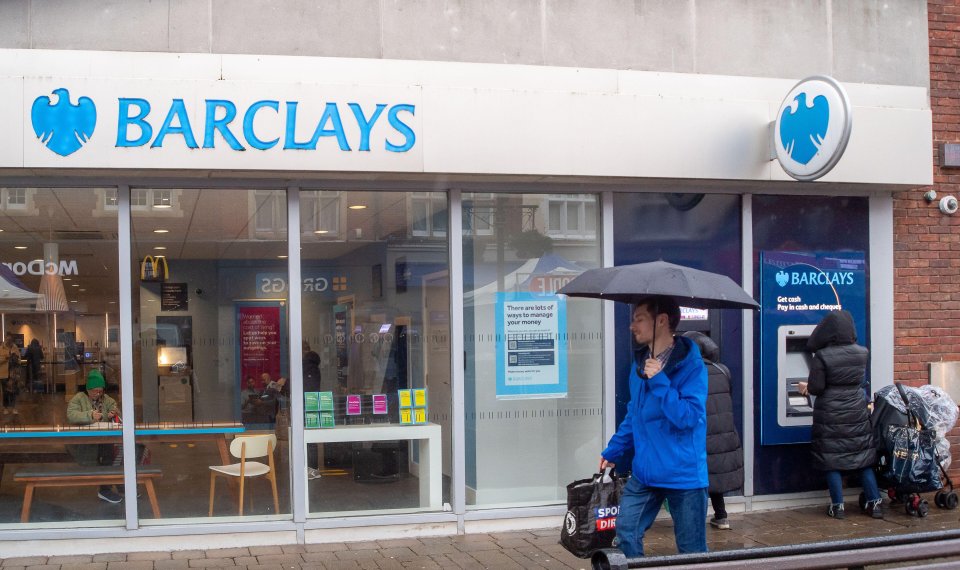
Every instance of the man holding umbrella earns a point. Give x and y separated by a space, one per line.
665 427
666 423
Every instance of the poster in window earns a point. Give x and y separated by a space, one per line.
261 345
531 355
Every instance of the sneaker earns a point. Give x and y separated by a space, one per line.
15 412
836 511
721 524
875 509
312 474
109 496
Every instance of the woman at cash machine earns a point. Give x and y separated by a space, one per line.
842 439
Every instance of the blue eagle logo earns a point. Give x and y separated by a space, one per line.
802 131
782 278
63 126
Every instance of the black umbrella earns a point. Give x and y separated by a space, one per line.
631 283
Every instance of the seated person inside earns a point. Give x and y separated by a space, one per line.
89 407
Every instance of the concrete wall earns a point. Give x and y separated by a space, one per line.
868 41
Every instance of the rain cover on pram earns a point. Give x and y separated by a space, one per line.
929 404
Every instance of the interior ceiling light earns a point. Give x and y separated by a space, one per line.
68 279
19 247
160 247
321 232
74 284
357 207
161 231
282 256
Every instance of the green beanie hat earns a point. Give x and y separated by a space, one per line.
95 380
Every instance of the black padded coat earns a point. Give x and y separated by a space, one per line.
842 437
724 453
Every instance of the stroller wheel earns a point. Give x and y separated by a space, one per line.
950 500
939 500
923 509
862 500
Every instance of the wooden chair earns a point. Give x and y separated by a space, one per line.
245 447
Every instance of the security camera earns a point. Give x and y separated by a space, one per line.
948 205
199 291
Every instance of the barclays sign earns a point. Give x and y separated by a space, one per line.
65 127
812 128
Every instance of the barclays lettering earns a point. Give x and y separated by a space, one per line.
220 118
821 278
39 267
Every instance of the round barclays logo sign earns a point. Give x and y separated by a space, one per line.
812 127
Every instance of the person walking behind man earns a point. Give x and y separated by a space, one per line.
842 439
724 453
666 429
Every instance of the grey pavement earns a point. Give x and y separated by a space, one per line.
506 550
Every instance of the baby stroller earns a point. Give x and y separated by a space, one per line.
910 426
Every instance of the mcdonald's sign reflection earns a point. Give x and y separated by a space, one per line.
154 268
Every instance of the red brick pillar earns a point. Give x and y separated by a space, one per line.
927 242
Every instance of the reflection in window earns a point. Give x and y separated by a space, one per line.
16 198
58 315
550 413
429 214
211 350
376 317
571 216
321 213
271 212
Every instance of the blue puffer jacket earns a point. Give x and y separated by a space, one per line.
666 423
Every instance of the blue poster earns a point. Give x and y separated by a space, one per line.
796 290
531 355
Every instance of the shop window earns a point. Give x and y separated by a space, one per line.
210 313
110 198
544 397
59 313
376 355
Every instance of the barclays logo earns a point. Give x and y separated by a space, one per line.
62 126
802 127
264 124
812 128
817 277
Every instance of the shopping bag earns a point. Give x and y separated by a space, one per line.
592 508
912 454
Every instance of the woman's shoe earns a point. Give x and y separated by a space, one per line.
836 511
874 509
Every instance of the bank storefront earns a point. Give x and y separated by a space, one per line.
345 271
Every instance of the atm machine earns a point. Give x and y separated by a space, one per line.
175 385
793 367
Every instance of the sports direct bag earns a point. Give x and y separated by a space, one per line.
592 508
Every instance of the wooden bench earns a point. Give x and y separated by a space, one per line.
77 476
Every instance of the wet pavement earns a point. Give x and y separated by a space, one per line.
507 550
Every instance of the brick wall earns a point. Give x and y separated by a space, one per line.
927 242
